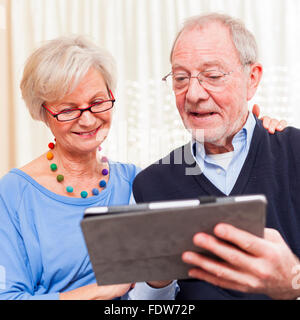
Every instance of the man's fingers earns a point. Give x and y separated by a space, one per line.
244 240
273 235
218 269
223 250
218 273
241 285
206 276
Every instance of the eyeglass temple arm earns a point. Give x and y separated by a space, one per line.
111 94
165 77
52 113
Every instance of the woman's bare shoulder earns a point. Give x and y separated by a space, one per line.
36 168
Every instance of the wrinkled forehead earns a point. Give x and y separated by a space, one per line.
205 44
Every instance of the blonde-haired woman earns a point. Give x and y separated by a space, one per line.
68 83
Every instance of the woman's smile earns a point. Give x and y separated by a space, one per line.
88 134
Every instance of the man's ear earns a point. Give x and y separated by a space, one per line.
254 77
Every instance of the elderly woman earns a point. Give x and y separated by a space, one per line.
68 84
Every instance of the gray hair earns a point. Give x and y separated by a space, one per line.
244 41
57 67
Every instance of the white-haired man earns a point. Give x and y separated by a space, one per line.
215 72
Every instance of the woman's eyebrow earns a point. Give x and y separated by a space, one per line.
97 94
73 104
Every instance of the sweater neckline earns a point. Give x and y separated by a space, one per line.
244 175
65 199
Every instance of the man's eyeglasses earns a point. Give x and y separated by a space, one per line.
70 113
212 80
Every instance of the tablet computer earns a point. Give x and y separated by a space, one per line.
145 242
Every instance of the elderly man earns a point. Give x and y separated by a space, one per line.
214 74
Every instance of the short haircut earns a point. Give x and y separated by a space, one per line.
57 67
243 40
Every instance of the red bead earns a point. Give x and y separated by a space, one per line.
51 145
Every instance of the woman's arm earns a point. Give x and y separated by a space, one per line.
270 124
95 292
18 281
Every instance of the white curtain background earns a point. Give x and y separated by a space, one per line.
139 34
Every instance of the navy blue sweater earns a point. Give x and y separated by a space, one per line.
272 167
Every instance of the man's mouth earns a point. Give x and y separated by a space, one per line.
202 115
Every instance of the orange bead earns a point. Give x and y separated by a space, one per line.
50 155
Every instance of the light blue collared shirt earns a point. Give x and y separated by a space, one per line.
224 176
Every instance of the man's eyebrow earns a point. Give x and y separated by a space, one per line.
178 66
205 65
214 63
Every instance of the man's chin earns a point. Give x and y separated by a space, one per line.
208 135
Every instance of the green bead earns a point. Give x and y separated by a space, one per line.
83 194
60 178
69 189
53 167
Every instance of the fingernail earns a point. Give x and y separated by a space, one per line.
200 239
191 274
187 257
220 230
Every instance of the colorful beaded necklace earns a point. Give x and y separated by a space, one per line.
60 177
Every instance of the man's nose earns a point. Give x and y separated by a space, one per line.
196 91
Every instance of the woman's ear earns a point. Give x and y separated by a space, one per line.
254 77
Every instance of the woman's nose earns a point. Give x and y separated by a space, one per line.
87 118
